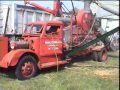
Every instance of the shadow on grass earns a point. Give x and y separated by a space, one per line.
81 59
113 56
95 66
8 73
50 70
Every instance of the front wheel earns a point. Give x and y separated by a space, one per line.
26 68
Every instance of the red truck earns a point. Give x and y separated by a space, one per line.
41 46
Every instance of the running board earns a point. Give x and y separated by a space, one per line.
100 38
52 64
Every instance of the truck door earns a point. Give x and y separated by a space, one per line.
51 41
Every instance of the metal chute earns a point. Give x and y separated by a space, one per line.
107 8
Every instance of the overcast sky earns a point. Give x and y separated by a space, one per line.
79 4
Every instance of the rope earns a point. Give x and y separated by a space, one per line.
89 31
55 54
87 34
65 10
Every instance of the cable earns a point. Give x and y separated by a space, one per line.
65 11
87 34
65 7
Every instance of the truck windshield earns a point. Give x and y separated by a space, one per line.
33 29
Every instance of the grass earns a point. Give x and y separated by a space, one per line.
80 74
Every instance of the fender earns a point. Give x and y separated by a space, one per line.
12 58
98 48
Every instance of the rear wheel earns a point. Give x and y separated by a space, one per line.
100 56
94 56
26 68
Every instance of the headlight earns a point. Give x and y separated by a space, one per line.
12 45
19 45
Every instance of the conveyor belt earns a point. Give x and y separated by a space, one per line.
100 38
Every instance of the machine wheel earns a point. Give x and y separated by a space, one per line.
26 68
102 55
94 56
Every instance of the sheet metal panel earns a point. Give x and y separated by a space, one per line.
15 19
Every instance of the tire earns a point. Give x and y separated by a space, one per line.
94 56
26 68
102 55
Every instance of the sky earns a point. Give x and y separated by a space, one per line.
79 4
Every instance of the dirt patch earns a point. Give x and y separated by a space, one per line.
104 73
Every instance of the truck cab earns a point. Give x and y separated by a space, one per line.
45 38
41 46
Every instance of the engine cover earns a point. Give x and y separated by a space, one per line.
84 19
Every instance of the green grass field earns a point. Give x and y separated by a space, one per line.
80 74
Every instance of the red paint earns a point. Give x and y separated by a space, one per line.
27 69
97 48
12 58
55 11
84 20
51 64
3 46
104 57
46 47
42 45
